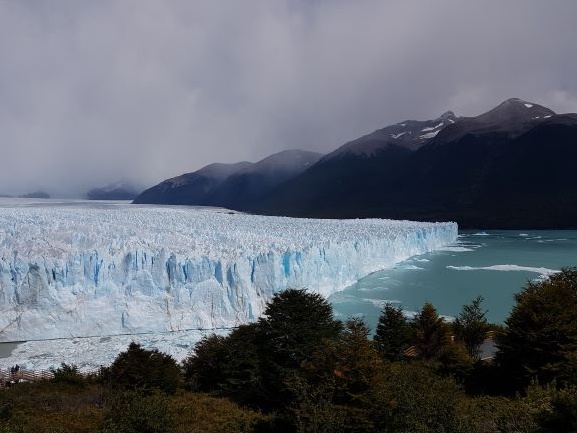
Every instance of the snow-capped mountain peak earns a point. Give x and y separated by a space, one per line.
408 134
514 110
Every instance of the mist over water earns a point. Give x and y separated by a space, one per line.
493 264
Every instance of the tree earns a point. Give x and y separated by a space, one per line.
359 371
358 365
335 390
144 370
393 333
226 365
471 326
541 336
294 325
203 369
255 362
242 369
431 333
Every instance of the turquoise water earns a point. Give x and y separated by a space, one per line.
493 264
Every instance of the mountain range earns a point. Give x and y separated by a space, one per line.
511 167
235 186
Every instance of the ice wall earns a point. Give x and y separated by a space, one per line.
85 269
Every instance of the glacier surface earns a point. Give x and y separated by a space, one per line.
78 269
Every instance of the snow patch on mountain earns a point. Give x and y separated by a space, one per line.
432 128
407 134
429 135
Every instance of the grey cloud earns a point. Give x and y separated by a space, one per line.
148 89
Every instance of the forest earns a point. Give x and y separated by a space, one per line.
297 369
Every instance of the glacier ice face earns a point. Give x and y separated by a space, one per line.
77 269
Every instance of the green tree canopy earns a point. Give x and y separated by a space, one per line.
255 362
471 326
294 325
334 391
203 369
393 333
144 370
431 333
226 365
541 336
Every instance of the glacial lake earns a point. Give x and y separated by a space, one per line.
494 264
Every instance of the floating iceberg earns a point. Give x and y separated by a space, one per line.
82 269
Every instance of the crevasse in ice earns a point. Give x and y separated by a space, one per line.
78 269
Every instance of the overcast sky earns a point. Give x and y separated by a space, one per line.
92 91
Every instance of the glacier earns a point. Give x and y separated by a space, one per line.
83 269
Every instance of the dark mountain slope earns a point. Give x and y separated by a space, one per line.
230 185
512 118
512 167
351 179
337 187
491 180
245 186
191 188
409 134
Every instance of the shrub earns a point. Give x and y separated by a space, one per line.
69 375
135 412
415 399
143 370
206 414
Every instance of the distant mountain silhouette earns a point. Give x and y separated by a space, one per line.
120 190
236 186
511 167
35 194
